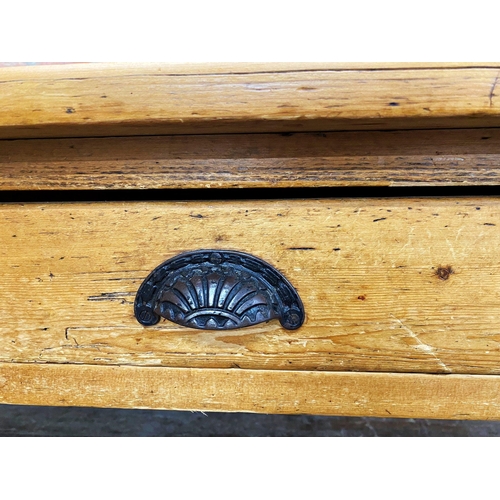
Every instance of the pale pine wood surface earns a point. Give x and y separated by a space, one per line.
106 100
408 286
395 285
402 158
260 391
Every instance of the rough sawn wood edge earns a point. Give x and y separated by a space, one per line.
446 157
259 391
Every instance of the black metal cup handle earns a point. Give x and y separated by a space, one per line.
217 290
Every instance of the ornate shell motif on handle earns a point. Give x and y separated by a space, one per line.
217 290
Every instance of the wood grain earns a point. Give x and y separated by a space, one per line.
395 285
106 100
260 391
401 158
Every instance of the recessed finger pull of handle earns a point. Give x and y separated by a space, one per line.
217 290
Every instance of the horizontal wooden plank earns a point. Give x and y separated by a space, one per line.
88 70
106 100
401 158
259 391
394 285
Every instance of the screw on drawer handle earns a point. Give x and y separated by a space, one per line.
217 290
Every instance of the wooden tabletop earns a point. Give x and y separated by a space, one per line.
98 99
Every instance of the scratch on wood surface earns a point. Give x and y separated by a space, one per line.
492 90
76 345
112 296
451 248
409 242
421 345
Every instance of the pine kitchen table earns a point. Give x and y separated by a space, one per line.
280 238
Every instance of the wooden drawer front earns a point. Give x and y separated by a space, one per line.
388 285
